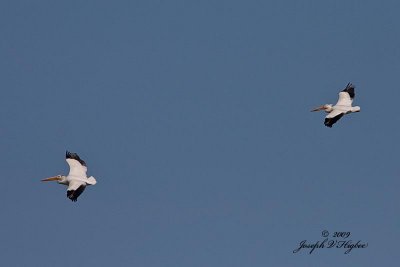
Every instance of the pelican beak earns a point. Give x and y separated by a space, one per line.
318 108
54 178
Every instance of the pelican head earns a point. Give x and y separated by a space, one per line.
59 178
327 108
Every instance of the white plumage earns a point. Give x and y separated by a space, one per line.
77 179
342 107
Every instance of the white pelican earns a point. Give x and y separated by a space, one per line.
342 107
76 179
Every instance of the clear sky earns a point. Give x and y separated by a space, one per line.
194 117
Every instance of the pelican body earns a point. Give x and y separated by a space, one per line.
76 179
342 107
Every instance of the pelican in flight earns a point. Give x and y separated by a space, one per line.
342 107
76 179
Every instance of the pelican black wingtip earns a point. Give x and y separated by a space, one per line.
350 90
70 155
349 86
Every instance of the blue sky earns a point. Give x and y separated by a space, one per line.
194 117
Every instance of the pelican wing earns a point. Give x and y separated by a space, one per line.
333 117
346 96
75 189
77 167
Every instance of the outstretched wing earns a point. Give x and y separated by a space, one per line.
346 96
333 117
77 167
75 189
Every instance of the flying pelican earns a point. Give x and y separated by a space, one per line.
76 179
342 107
